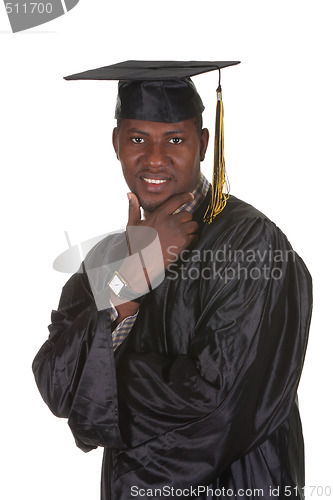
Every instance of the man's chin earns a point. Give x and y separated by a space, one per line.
150 206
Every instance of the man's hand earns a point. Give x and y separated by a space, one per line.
176 231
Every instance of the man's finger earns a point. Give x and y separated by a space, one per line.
191 227
184 216
134 213
175 202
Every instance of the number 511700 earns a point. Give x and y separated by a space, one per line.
29 8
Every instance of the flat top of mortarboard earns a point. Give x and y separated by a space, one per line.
151 70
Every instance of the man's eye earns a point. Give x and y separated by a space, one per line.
176 140
138 140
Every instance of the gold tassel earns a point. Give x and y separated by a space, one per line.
220 184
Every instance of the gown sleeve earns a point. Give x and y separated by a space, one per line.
74 369
185 419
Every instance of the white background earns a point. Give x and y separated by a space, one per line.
59 173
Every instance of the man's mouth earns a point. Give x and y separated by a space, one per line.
154 181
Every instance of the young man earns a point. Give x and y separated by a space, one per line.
188 382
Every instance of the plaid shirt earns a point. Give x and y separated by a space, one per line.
120 333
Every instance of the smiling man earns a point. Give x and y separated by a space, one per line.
161 165
160 160
190 386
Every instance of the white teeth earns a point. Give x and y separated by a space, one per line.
154 181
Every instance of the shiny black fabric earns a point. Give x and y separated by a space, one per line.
156 101
203 391
159 91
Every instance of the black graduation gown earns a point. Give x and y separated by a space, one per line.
203 391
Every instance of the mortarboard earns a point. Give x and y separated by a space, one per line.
163 91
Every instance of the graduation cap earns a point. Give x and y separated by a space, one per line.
163 91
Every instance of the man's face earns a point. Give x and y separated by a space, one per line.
159 160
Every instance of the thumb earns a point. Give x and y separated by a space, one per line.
134 213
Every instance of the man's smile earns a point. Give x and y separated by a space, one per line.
154 181
154 184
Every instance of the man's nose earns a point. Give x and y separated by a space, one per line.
156 156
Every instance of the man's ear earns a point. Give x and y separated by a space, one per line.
115 141
204 143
